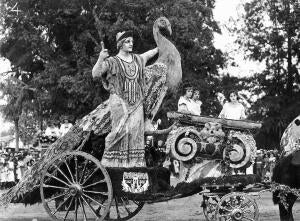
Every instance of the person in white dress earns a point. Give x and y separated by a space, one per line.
233 109
65 127
195 107
184 103
10 173
52 130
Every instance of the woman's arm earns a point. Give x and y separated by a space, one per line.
149 54
222 113
101 66
243 115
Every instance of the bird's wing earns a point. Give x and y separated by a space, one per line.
98 120
155 88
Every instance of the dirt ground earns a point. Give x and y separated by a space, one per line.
176 210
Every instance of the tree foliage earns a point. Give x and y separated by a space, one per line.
53 45
269 32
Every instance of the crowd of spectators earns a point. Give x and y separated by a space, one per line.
13 165
264 163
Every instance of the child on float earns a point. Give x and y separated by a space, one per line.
184 102
195 106
233 109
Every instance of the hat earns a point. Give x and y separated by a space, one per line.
123 35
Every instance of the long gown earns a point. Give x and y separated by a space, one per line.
124 145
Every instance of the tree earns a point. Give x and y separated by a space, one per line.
269 31
56 43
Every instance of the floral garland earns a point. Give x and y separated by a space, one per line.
284 190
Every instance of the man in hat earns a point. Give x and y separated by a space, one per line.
123 76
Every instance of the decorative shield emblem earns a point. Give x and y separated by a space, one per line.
135 182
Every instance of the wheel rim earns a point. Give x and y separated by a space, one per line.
210 206
123 208
237 207
75 186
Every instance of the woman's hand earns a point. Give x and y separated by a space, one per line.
104 52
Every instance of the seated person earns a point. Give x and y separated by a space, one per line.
52 130
195 107
233 109
184 103
65 127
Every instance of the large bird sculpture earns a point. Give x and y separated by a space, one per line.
162 76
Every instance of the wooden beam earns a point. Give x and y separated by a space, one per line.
201 120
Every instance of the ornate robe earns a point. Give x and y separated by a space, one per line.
124 145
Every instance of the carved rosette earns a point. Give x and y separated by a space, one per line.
182 143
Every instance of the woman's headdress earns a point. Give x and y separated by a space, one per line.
121 36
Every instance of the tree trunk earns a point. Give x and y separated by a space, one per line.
40 115
17 137
17 129
290 79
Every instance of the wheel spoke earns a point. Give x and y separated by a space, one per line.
76 168
55 197
65 162
100 204
96 192
54 177
225 215
117 208
136 203
93 210
248 211
124 204
62 173
76 208
223 208
93 184
68 209
83 210
56 187
245 205
247 218
63 203
95 170
83 171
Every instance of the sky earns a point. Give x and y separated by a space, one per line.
224 10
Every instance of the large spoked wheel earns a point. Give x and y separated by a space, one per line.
209 205
237 207
75 186
123 208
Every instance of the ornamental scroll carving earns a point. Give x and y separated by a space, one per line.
211 142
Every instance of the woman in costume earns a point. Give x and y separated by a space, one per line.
123 76
233 109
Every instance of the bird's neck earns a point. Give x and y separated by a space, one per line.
160 40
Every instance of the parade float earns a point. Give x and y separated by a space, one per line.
72 183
